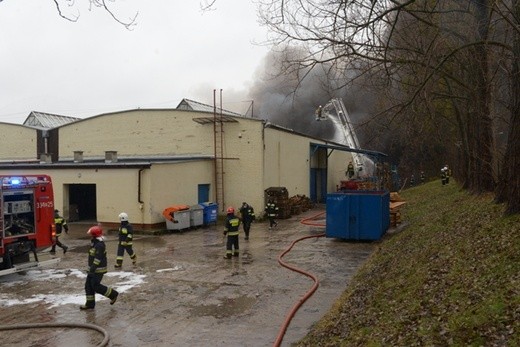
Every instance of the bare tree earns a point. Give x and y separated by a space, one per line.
438 60
205 5
102 4
509 183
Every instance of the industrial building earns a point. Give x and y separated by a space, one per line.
143 160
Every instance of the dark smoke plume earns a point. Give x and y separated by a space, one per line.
288 100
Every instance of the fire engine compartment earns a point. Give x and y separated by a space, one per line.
18 231
26 218
18 214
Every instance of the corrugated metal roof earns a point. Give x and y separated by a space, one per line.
47 120
187 104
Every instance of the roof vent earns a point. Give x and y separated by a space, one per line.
78 156
110 156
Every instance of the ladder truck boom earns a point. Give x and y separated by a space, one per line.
335 111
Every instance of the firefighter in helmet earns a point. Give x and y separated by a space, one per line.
126 232
444 175
271 210
247 213
231 230
97 267
61 225
350 170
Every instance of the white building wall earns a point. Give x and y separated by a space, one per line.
137 132
173 132
112 187
117 190
18 142
256 158
175 184
243 166
286 161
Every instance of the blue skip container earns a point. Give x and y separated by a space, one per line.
358 215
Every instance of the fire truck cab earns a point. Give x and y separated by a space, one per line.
26 220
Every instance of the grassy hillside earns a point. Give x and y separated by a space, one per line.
451 278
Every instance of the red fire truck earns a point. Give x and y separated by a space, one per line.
26 221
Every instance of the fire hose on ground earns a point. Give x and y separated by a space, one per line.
105 334
308 294
283 328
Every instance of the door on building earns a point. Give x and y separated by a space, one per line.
318 191
82 202
318 174
203 193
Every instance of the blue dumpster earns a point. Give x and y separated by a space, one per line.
358 215
210 211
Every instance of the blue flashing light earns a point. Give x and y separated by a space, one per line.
15 181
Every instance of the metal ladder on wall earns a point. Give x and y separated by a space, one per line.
218 127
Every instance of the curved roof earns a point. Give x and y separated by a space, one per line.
42 120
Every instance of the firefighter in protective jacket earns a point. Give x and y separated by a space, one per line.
61 225
248 216
231 230
97 268
350 170
126 234
271 210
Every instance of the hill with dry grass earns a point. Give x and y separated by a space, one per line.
450 278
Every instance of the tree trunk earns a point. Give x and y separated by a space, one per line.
509 182
480 122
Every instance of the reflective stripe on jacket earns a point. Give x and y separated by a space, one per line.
247 213
232 224
126 234
97 257
60 224
271 209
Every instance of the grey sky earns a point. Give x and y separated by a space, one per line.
95 65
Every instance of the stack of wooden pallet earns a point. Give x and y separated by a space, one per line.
299 204
396 202
280 196
366 185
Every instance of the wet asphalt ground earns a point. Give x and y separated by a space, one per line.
182 292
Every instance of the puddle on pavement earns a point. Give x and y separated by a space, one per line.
151 241
149 335
213 239
143 243
226 308
80 249
162 265
246 257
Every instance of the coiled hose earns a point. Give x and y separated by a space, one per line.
308 294
103 343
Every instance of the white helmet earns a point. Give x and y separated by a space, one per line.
123 217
